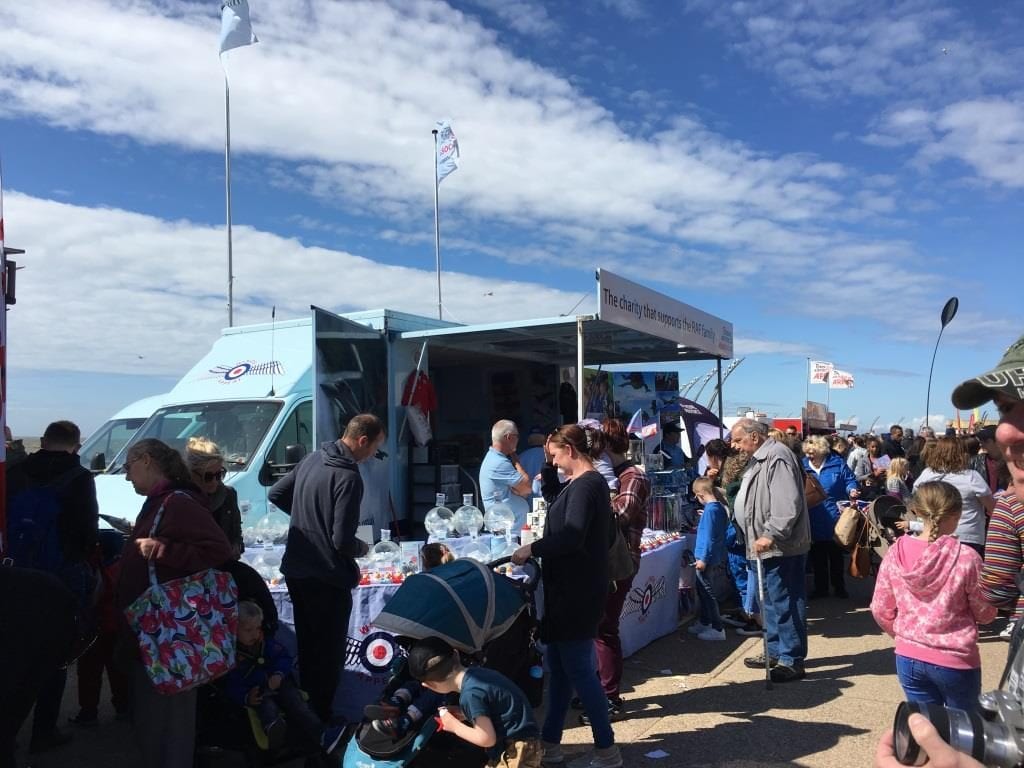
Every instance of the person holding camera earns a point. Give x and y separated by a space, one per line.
938 752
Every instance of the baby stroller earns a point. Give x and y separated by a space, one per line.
488 617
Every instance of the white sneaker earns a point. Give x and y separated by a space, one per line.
712 634
1007 633
552 754
607 758
696 628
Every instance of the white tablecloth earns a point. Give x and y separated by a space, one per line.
651 609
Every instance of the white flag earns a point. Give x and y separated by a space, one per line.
447 150
820 371
840 379
235 26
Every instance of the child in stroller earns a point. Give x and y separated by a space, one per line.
262 681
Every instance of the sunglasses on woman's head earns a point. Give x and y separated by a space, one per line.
217 474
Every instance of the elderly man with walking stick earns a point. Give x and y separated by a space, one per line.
772 511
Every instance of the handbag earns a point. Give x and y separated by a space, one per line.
813 491
860 556
185 627
848 526
620 561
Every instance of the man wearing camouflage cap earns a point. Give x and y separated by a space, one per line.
1004 385
1004 543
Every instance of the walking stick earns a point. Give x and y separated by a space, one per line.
764 624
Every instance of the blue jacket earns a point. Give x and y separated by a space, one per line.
710 545
837 479
254 668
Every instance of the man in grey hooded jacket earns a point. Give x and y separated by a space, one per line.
772 511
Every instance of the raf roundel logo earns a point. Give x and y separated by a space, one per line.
237 372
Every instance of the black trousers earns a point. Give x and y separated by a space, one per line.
321 613
828 566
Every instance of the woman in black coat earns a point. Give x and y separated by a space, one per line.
574 555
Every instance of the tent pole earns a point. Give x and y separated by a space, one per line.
721 432
579 368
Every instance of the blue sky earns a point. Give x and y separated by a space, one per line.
824 175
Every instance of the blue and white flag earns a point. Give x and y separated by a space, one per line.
235 26
447 150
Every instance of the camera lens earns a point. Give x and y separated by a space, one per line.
990 743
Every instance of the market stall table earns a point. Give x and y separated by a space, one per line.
651 609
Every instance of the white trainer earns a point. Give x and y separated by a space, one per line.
712 634
696 628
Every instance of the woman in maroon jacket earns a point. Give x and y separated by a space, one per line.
630 509
187 541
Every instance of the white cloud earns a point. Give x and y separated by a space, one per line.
101 287
985 134
339 99
357 125
524 16
869 48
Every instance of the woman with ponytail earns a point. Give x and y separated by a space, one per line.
574 550
928 597
187 541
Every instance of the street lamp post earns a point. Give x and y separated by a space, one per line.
948 313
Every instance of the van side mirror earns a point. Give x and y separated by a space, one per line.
98 462
295 453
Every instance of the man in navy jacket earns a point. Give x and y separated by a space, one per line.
322 495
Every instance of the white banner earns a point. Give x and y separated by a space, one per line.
235 25
820 371
840 379
633 306
447 150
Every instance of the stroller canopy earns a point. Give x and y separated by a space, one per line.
464 603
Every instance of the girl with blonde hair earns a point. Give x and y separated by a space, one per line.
928 597
896 479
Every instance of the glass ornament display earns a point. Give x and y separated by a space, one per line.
468 519
272 528
477 550
438 520
499 518
385 554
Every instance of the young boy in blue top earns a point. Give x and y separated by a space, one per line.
709 552
498 717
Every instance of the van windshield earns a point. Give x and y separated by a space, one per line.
236 427
105 443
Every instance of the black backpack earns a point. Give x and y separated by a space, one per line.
33 531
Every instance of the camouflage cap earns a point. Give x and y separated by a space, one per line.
1006 378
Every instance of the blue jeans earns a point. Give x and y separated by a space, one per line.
572 664
785 609
709 614
930 683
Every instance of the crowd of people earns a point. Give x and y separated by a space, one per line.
955 565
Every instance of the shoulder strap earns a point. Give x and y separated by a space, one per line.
152 532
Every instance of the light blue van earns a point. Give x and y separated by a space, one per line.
106 442
253 394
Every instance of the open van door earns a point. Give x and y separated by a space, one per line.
350 374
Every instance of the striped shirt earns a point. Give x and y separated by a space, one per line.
1004 555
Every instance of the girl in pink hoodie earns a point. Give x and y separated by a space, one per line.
927 596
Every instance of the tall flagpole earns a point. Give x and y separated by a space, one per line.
227 193
437 229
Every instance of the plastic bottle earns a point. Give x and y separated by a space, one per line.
526 535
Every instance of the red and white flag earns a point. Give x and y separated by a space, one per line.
840 379
819 371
